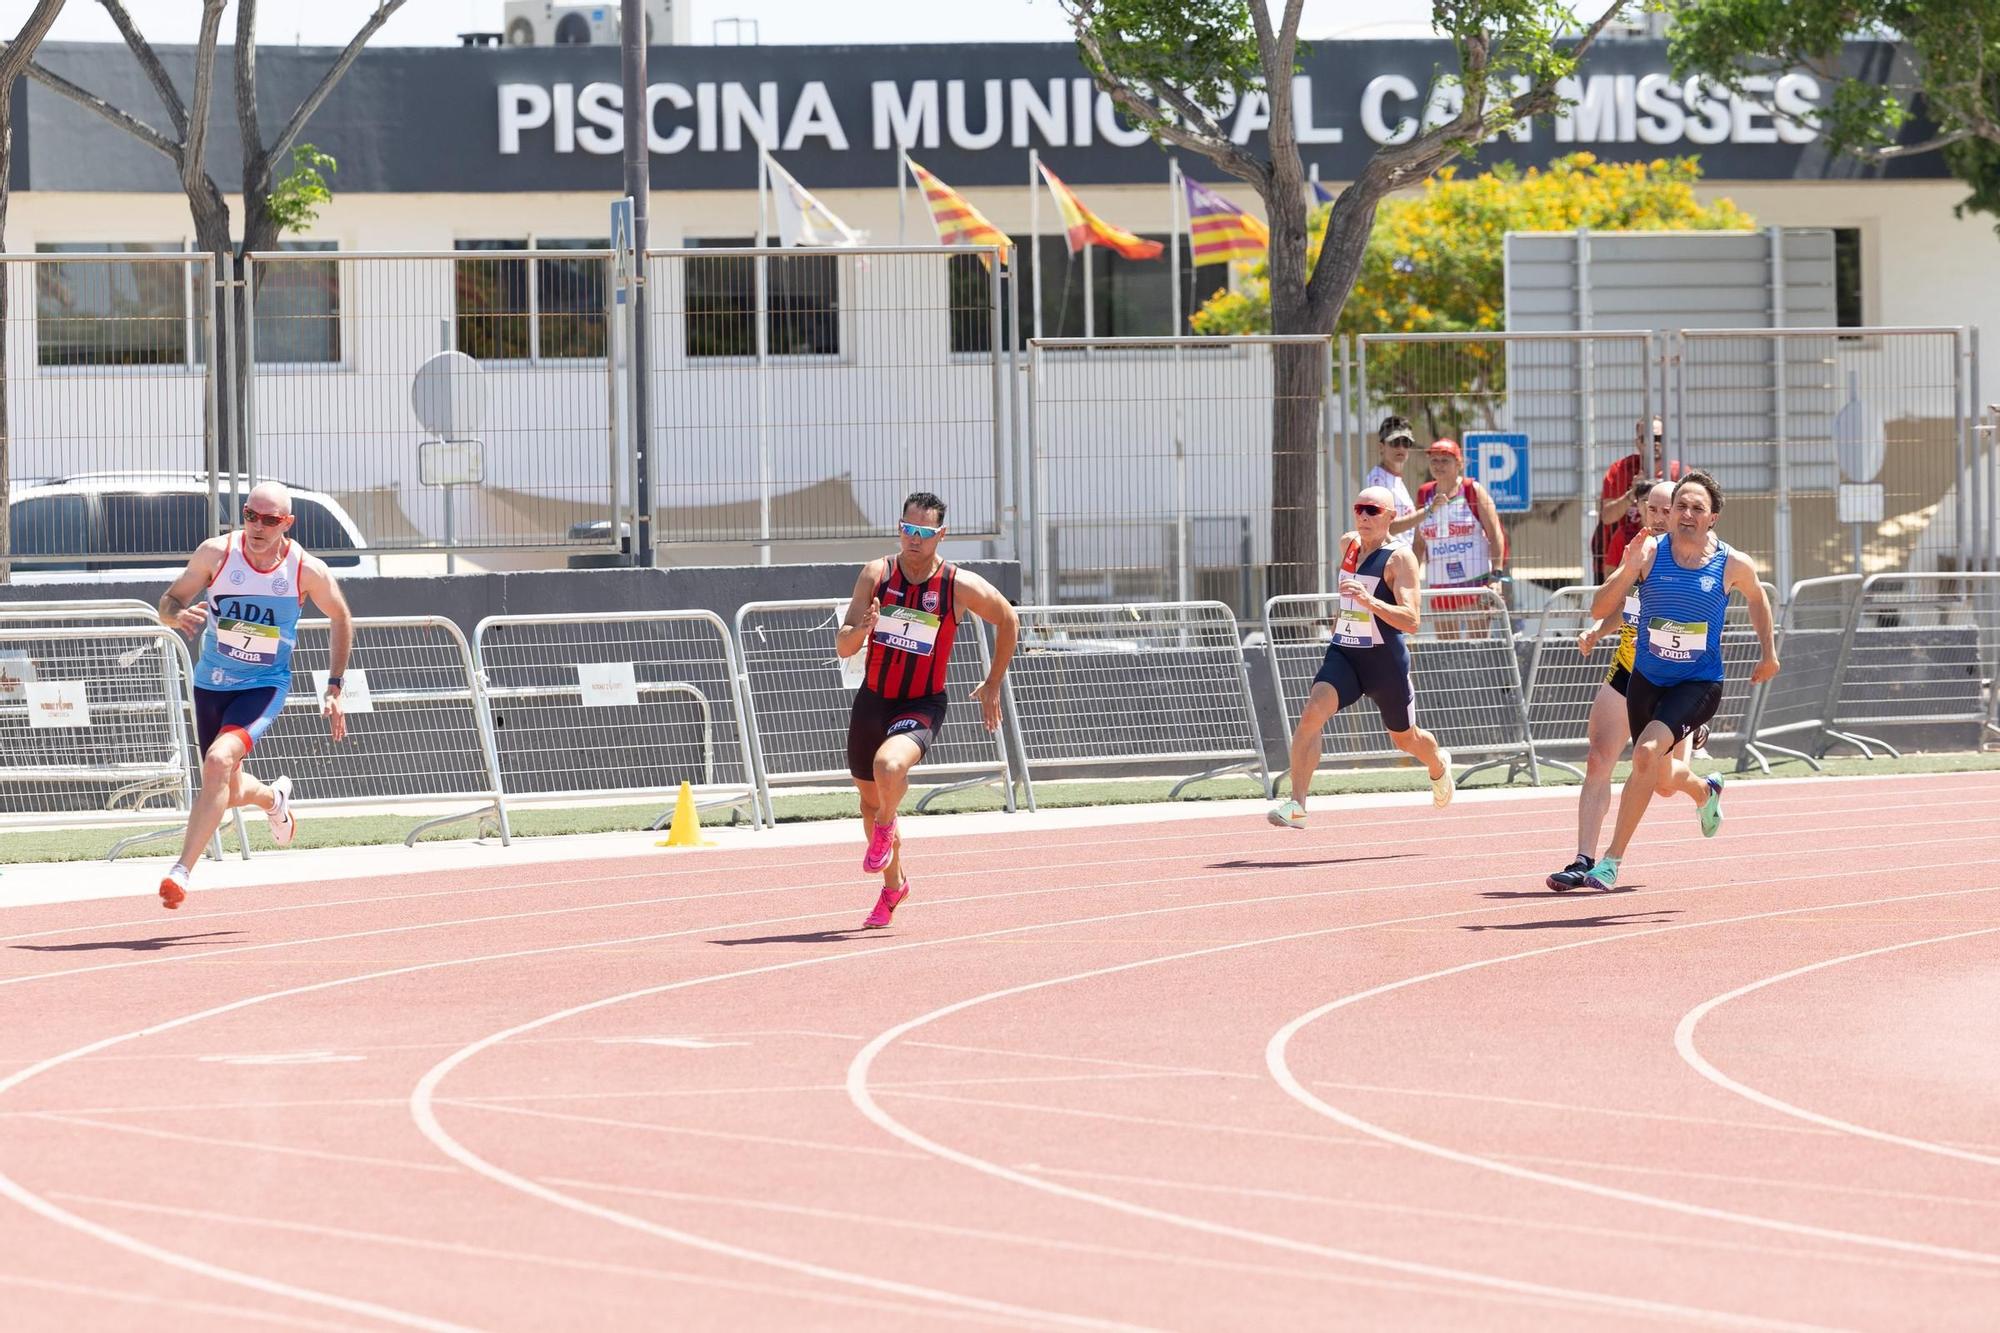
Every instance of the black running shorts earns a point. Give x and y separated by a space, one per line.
875 719
1679 708
1382 673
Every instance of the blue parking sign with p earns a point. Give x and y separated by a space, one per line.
1498 460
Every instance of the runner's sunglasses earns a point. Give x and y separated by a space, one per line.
920 532
268 520
1368 510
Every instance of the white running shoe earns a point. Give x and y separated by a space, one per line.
283 825
1443 788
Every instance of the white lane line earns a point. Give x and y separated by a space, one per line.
462 1249
1685 1044
208 1308
1275 1059
946 849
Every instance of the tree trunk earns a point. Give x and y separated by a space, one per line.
211 230
1299 373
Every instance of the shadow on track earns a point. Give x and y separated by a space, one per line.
1653 917
843 936
152 944
1244 863
1550 895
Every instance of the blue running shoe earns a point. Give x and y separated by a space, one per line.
1711 809
1604 874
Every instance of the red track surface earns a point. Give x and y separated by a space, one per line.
1196 1075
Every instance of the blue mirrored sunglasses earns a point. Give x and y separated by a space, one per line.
920 532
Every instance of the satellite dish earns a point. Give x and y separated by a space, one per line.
1858 443
449 396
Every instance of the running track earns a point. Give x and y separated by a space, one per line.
1193 1075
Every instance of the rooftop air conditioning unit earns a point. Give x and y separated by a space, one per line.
546 23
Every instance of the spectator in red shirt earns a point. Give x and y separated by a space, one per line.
1625 485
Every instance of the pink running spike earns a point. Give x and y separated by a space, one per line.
885 907
880 848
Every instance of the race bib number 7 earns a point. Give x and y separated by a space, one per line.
1677 641
907 629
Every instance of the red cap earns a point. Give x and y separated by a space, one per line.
1446 447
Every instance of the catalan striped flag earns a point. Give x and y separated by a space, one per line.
957 221
1218 231
1084 228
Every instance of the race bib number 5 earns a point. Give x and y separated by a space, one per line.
907 629
1677 641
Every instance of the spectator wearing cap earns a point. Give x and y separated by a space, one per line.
1458 534
1622 496
1394 441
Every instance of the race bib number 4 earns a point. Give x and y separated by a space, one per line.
907 629
1675 641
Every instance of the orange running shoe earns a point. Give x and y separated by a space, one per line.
173 887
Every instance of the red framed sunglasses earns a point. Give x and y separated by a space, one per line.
266 520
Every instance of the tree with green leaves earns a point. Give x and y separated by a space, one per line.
1947 72
1436 263
1175 66
271 203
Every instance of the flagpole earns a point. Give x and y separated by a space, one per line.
1035 230
1089 304
902 187
763 354
1183 580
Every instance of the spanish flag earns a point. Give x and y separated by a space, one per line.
1084 227
1218 231
957 221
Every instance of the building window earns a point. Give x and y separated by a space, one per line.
107 313
1130 297
298 307
801 300
1847 278
531 308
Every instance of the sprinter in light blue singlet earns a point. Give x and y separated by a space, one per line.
243 594
1688 574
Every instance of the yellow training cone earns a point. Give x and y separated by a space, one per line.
686 830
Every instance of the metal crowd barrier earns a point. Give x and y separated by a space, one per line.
1811 638
416 725
1463 667
798 704
94 727
1919 650
1159 683
618 704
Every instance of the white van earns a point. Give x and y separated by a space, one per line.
158 514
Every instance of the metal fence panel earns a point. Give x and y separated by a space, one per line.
799 704
1463 666
108 361
801 394
416 726
1153 475
512 441
1841 450
1923 651
1577 397
623 704
1818 616
93 725
1156 683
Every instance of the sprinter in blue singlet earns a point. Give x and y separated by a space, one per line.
1688 574
242 594
1367 656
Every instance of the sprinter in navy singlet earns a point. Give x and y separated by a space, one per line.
241 595
1684 579
1367 657
902 623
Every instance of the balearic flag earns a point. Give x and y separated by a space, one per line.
958 222
1218 231
1084 227
802 218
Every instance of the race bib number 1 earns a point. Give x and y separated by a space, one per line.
907 629
1674 641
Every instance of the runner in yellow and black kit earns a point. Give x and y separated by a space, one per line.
1607 729
904 616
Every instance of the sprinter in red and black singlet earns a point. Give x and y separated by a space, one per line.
904 616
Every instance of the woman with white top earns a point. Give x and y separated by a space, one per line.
1393 441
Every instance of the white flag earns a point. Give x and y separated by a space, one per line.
803 219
